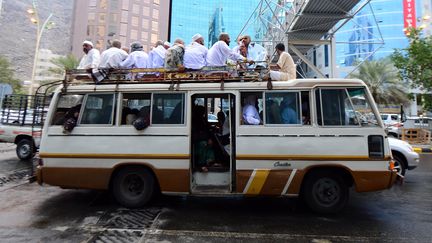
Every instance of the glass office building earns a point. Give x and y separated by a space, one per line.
360 38
210 18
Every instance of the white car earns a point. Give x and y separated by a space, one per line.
395 130
404 156
390 119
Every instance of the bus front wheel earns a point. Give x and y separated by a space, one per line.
325 192
133 187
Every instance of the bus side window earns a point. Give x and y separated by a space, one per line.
283 108
334 108
168 109
99 109
252 108
67 107
135 105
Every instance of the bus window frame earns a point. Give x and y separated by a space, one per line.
185 109
83 106
299 91
120 107
320 88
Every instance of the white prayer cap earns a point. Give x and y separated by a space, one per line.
166 43
196 37
88 43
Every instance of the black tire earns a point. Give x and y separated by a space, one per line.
133 186
25 149
325 192
399 164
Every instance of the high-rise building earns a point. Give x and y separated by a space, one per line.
102 21
209 18
44 64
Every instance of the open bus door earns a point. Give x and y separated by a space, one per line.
212 140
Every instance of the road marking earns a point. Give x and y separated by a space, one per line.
267 236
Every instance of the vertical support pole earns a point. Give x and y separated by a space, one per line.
333 71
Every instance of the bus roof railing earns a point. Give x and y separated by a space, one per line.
161 75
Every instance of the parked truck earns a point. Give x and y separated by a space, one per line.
21 123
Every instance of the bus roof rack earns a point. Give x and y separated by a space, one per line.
161 75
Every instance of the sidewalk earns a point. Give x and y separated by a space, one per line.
7 147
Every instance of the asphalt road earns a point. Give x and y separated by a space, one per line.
31 213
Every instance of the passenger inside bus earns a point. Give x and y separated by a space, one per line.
208 149
250 112
289 114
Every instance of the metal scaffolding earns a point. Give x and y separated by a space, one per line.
304 25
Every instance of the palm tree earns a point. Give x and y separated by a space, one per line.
63 64
381 76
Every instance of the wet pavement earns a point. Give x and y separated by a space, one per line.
31 213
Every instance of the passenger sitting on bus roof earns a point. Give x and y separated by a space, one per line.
137 58
252 51
113 57
250 112
157 55
195 54
174 55
288 107
91 57
285 64
126 49
220 52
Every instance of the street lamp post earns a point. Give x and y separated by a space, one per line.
40 28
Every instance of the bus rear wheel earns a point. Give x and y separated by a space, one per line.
325 192
133 187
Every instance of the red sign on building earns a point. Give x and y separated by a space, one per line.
409 13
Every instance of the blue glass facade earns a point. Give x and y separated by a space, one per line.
209 18
363 29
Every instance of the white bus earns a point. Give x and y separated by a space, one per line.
310 137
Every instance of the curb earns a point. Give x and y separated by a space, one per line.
422 150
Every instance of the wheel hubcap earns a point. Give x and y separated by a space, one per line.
24 150
397 166
326 192
133 185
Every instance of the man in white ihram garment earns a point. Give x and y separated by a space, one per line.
91 57
137 58
195 53
255 51
113 57
157 55
220 52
